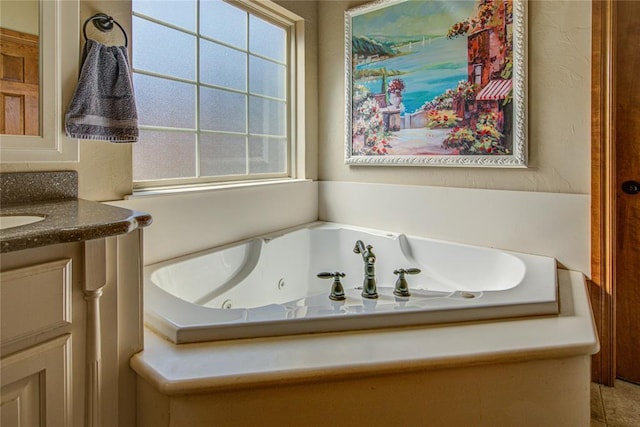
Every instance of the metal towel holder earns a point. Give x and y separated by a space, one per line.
104 23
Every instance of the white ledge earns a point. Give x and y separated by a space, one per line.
205 367
182 189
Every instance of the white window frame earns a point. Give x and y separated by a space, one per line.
294 27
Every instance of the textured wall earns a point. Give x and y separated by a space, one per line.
18 16
105 170
559 108
558 101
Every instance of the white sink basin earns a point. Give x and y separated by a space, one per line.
18 220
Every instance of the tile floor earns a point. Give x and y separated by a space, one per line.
617 406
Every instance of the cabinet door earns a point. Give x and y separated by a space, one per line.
36 385
35 300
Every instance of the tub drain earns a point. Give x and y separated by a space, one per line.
467 295
280 283
227 304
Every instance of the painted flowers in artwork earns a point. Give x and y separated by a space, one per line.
443 89
369 130
396 86
483 138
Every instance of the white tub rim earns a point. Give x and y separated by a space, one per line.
180 327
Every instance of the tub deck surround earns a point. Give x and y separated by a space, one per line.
267 286
214 366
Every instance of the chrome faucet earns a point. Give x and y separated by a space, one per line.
369 285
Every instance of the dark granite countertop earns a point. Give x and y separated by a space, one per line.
71 220
54 196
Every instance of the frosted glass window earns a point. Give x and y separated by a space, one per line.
166 103
223 155
149 55
181 13
222 111
267 39
212 89
163 155
222 66
267 117
223 22
267 78
267 155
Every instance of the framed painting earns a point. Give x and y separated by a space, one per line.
436 83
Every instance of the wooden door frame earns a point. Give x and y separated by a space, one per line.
603 190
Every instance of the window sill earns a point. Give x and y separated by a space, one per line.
196 188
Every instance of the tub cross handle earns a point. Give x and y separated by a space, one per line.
402 287
337 291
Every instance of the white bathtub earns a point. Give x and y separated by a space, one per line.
267 286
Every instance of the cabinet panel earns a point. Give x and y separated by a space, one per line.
42 289
21 403
36 385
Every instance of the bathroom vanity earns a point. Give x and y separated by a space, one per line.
70 294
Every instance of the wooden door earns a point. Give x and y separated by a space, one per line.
19 83
615 214
627 162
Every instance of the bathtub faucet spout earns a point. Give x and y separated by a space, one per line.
369 285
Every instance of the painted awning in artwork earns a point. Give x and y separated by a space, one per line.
494 90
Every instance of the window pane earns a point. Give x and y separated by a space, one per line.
222 66
161 155
267 155
223 111
177 12
222 155
223 22
266 39
225 92
164 102
150 55
267 117
267 78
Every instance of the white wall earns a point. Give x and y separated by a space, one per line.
550 224
558 102
198 220
18 16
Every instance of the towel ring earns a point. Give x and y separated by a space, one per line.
104 23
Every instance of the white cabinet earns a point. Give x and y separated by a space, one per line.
35 326
69 323
35 385
43 290
35 302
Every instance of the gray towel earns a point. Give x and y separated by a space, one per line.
103 106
